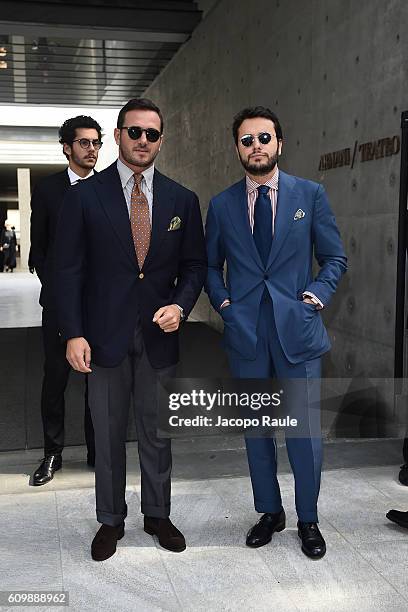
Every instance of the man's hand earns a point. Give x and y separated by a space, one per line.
79 354
168 318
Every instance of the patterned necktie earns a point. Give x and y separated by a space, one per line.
140 220
263 223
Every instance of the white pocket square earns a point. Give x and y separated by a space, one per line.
299 214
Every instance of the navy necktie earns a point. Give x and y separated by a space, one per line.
263 223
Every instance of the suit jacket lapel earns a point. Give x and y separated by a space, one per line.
286 207
237 206
110 193
162 213
64 183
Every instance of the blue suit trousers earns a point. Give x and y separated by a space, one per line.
305 453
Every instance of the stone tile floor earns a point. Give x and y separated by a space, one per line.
19 305
47 531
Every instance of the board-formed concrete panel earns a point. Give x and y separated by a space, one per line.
334 72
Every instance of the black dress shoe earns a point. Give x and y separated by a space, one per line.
45 472
169 536
104 543
403 475
313 544
401 518
261 533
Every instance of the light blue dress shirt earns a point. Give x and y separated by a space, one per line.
126 178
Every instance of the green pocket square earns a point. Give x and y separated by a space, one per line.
175 224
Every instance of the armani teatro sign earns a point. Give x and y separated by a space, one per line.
368 151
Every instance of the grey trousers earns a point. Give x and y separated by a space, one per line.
110 392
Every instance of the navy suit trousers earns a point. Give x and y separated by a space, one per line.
305 453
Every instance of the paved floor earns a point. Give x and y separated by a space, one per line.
19 305
47 531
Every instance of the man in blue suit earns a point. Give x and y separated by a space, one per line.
267 227
130 265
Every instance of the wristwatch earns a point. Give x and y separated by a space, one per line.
182 317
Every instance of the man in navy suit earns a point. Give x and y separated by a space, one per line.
267 227
81 140
131 264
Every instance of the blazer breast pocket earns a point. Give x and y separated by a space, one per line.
173 236
172 240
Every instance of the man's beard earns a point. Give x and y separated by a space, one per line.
139 163
260 169
83 162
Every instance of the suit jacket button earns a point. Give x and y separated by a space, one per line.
141 275
266 276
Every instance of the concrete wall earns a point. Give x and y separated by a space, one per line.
335 73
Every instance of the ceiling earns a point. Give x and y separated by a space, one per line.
99 52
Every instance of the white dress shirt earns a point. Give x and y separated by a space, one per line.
75 178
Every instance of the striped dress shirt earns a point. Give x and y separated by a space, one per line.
251 187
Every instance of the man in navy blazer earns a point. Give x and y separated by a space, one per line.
81 140
267 228
131 264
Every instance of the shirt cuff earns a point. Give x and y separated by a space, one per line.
225 303
319 305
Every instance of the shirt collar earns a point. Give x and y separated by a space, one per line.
74 177
273 182
126 173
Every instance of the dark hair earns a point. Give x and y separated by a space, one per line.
67 134
139 104
252 112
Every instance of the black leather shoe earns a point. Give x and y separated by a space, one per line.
169 536
403 475
261 533
104 543
45 472
401 518
313 544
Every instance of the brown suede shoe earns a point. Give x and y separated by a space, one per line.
169 536
104 543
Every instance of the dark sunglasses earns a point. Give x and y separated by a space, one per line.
135 133
85 143
248 139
